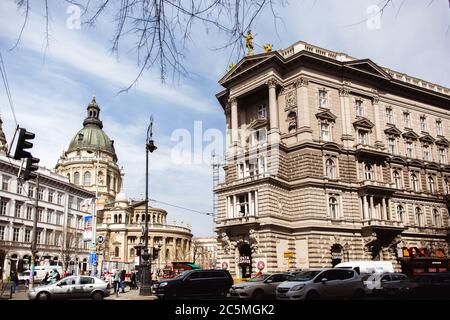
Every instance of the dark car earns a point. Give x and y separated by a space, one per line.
424 286
195 284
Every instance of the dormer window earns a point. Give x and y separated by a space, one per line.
389 115
80 136
407 120
359 108
423 124
262 111
323 98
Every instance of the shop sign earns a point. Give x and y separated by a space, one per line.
288 254
244 260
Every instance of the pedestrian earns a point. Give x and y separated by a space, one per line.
15 281
133 280
45 280
116 281
122 280
154 278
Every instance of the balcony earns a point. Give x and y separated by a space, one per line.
238 221
243 180
385 230
369 151
375 187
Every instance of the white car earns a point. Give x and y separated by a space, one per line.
322 284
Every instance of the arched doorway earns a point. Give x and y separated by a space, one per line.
14 260
337 254
245 261
2 262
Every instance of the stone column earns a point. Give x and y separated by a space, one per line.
365 208
387 214
372 209
303 115
174 244
163 252
274 133
383 209
347 130
378 127
234 121
250 205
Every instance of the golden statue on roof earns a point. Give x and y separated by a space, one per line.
249 43
268 47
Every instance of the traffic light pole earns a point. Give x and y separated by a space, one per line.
94 221
34 241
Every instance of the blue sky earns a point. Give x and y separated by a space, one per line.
51 88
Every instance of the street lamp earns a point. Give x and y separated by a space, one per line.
94 219
146 288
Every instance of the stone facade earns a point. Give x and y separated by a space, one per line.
331 158
59 227
204 252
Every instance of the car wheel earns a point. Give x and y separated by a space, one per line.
97 295
43 296
258 295
312 295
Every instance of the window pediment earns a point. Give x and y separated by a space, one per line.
443 142
326 115
427 138
410 134
363 123
393 130
257 124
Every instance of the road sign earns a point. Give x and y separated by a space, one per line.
261 265
224 265
93 258
101 239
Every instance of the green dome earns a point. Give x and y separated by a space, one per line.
91 136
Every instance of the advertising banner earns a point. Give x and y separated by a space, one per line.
87 232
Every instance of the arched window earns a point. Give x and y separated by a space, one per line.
397 180
87 178
446 186
137 218
400 213
414 182
116 251
436 218
419 220
115 218
430 184
143 218
120 218
368 172
329 164
333 205
76 178
132 252
68 176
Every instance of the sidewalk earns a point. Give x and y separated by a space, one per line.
130 295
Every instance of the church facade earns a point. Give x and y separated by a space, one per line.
329 159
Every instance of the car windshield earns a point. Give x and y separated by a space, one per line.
181 275
305 276
259 278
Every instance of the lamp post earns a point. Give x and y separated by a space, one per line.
146 288
93 248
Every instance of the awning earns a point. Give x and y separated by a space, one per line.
193 266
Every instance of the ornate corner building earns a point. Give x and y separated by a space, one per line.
332 158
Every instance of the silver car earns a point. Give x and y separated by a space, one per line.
73 287
259 287
322 284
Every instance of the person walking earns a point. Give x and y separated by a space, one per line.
15 281
117 282
133 280
122 280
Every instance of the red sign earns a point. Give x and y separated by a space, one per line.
261 265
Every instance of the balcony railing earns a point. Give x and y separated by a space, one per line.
239 220
244 179
383 223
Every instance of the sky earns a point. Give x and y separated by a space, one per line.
51 87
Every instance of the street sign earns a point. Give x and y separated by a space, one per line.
224 265
261 265
93 258
288 254
101 239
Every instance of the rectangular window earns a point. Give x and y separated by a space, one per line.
41 215
58 219
262 112
409 150
17 210
392 145
5 183
389 116
423 124
19 187
407 119
27 235
323 99
30 191
38 237
69 220
359 108
50 216
2 232
16 234
29 212
3 206
426 153
50 195
41 194
60 199
439 127
325 132
258 137
442 155
363 137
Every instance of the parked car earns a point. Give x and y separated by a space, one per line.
259 287
322 284
72 287
195 284
367 267
424 286
375 283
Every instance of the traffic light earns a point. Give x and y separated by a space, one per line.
23 144
30 167
138 250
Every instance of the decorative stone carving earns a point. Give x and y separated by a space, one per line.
375 99
292 121
291 99
225 241
301 82
272 83
343 92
